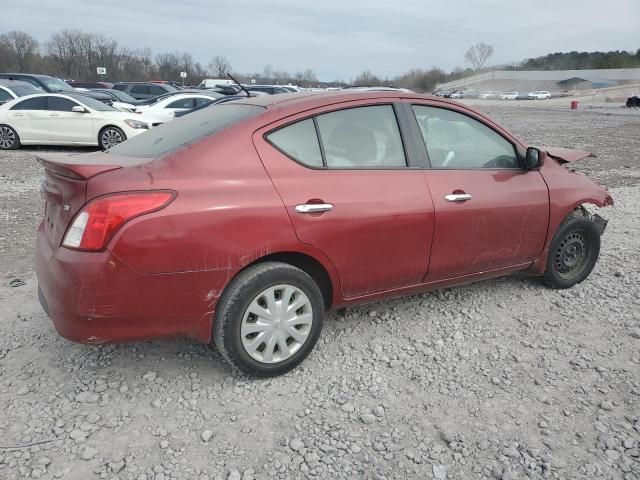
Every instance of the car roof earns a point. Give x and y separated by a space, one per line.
16 83
30 75
318 99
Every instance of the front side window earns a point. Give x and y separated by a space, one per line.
58 104
36 103
456 141
362 137
155 91
299 141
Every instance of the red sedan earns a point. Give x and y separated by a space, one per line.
242 223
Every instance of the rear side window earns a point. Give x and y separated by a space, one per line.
140 89
362 137
120 87
37 103
299 141
182 103
185 131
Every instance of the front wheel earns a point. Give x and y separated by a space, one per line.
9 139
268 319
110 137
573 252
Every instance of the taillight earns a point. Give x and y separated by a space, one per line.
98 221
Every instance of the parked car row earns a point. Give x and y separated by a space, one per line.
494 95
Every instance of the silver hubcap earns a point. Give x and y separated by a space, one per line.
7 137
111 138
276 324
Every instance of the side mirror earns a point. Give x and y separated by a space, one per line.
533 158
78 109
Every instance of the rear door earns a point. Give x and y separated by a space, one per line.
31 119
489 212
66 126
350 192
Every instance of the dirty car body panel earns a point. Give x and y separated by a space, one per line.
233 199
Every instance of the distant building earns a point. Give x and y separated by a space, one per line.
552 80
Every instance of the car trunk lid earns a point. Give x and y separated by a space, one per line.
65 187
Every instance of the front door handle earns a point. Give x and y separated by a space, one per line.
54 114
457 197
313 207
17 115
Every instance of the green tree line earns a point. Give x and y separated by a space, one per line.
582 61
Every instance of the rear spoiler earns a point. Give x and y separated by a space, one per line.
67 166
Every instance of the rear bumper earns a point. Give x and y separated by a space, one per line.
96 298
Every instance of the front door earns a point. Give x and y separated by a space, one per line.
352 195
66 126
490 213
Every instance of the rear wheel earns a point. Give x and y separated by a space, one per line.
573 252
9 139
269 319
110 137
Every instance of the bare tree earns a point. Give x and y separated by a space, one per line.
366 79
220 66
478 55
21 49
310 77
267 72
169 65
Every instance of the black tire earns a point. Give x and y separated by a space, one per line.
9 138
573 252
235 301
110 132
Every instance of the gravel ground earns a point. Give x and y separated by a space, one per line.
500 379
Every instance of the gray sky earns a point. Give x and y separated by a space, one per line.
340 38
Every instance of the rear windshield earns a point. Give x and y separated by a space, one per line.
184 131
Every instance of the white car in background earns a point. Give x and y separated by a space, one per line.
180 102
539 95
67 119
509 96
490 95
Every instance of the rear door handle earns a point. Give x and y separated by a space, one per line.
54 114
457 197
313 207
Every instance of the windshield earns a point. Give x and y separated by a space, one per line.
55 85
122 96
94 104
22 90
185 131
